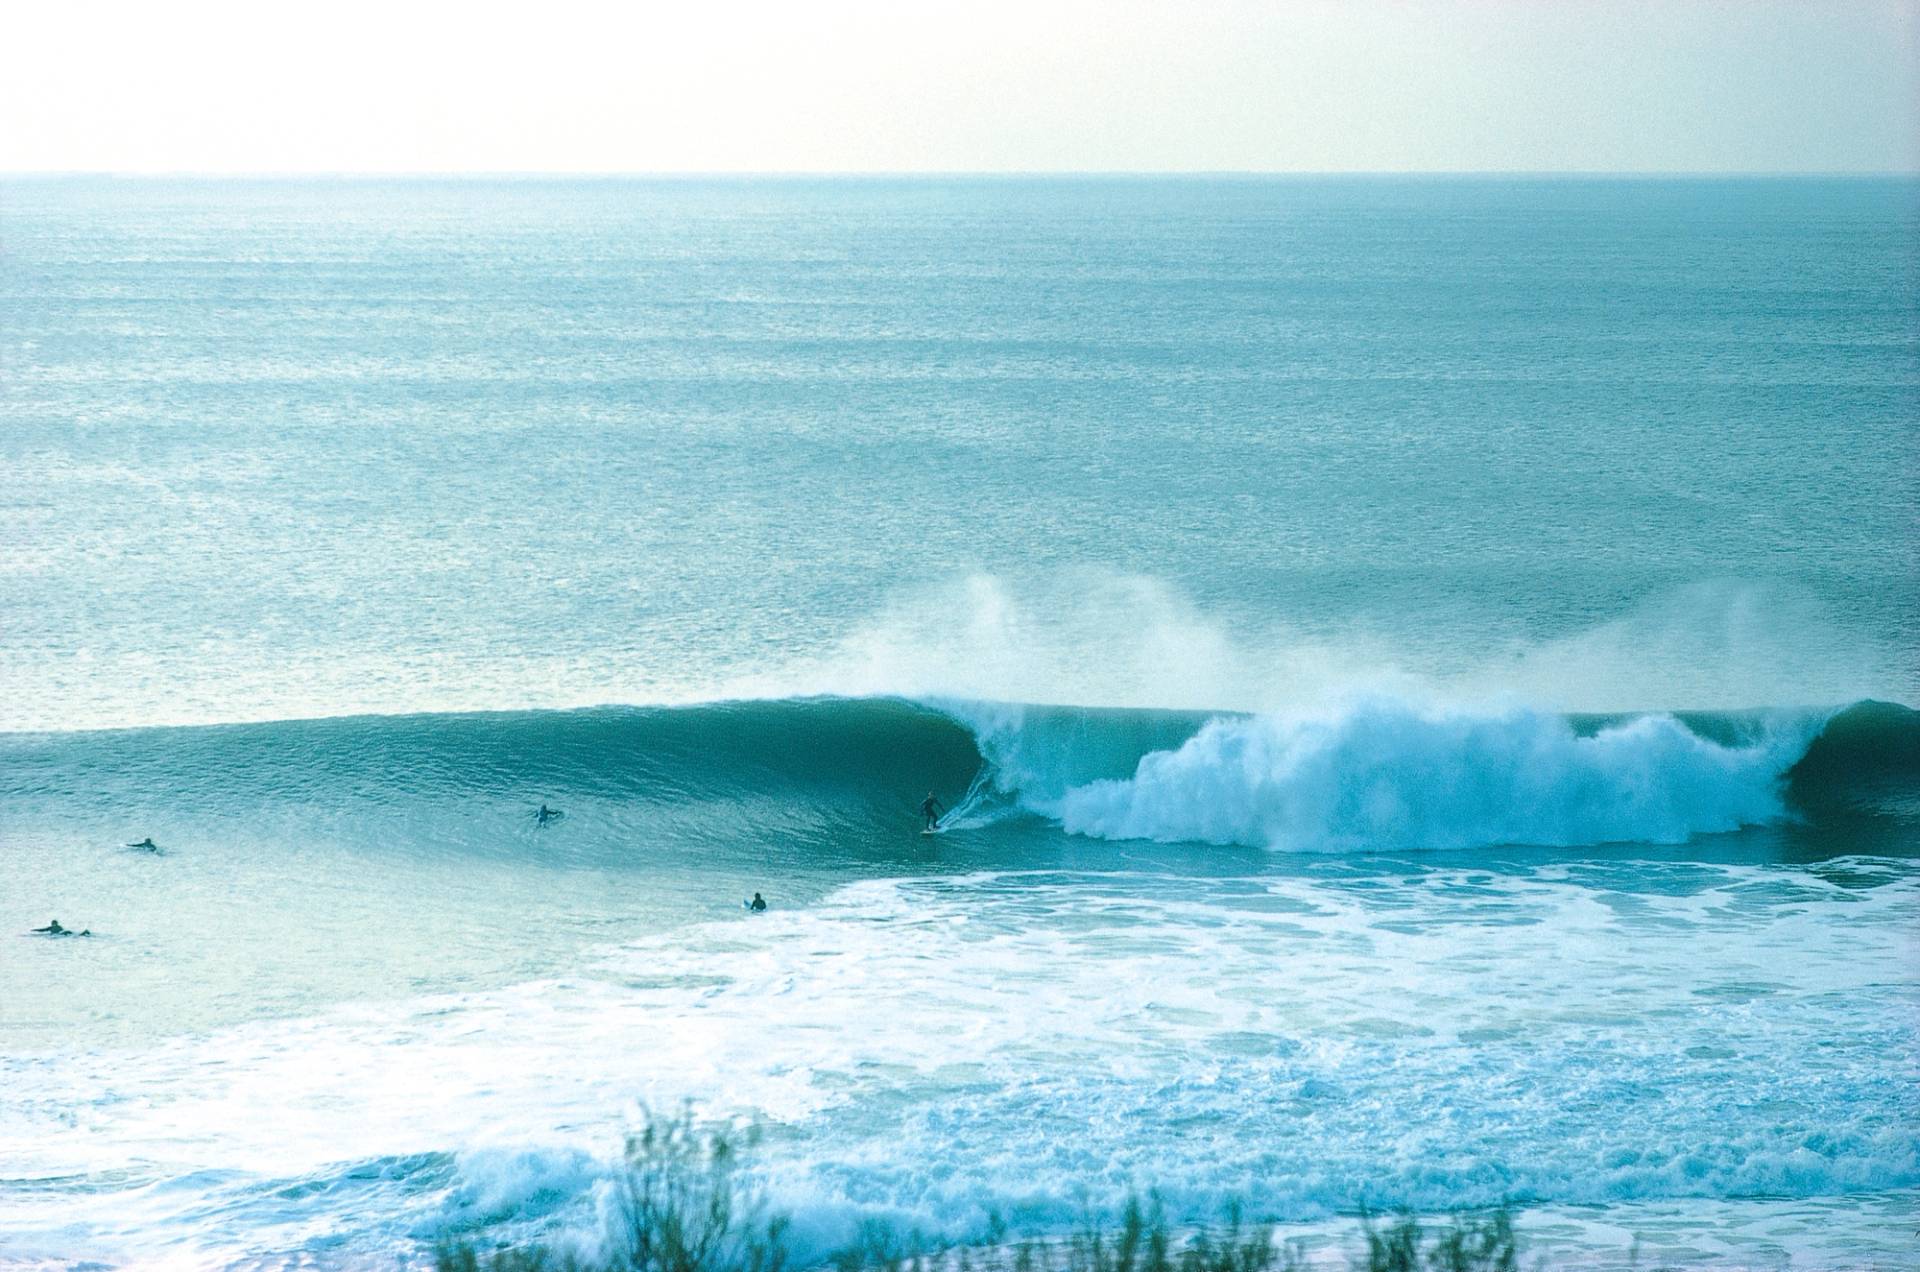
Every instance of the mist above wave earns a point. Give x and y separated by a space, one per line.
1090 637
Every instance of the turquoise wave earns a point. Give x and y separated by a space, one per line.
1374 774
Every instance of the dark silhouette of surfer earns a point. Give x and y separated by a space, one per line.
931 810
146 845
758 903
53 928
546 815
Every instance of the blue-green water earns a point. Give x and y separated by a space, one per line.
1290 578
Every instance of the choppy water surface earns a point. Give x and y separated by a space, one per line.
1424 666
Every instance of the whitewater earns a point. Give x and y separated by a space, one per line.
1421 668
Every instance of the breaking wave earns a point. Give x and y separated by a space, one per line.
1378 773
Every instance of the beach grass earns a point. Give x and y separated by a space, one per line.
683 1207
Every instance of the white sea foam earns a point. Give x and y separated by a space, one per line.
1086 637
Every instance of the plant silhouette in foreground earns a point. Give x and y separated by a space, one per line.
683 1208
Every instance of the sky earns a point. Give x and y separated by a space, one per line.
980 85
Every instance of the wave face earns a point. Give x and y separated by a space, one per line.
1378 774
1384 774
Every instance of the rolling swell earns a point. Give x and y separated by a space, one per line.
807 768
1377 774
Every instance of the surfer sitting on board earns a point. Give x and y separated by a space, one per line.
931 810
758 903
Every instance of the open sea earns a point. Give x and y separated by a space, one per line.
1423 671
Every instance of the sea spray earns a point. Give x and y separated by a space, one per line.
1381 773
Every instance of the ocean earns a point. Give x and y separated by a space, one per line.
1422 670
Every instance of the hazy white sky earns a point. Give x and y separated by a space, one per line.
1003 85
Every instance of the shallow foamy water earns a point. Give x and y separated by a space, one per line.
1709 1058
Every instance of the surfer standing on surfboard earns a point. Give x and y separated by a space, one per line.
931 810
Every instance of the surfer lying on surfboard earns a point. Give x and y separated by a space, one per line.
931 810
